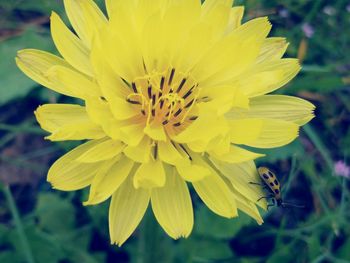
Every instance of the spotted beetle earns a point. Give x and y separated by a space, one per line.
271 183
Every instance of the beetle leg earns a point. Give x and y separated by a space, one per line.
264 197
273 204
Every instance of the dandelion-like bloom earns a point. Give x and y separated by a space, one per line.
170 90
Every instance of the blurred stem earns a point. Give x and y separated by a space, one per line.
21 129
314 10
319 145
18 223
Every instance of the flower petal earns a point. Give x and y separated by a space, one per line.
247 206
68 174
121 109
67 122
195 170
132 134
108 180
235 19
236 155
216 195
35 64
232 55
150 175
140 153
172 206
272 49
263 133
279 107
268 76
168 153
156 132
106 150
70 46
241 175
86 18
80 85
126 210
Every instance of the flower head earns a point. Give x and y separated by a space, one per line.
171 90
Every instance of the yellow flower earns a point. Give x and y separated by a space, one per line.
170 89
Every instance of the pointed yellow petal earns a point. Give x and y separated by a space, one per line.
108 180
200 131
216 195
70 46
245 130
236 155
217 14
172 206
240 175
272 49
106 150
80 85
247 206
122 110
235 19
86 18
140 153
150 175
67 174
232 55
168 153
126 210
192 172
263 133
279 107
156 132
132 134
110 83
269 76
35 64
67 122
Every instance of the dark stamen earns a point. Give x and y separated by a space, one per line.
155 151
144 66
193 118
103 98
181 85
126 83
153 112
143 112
189 104
183 148
133 85
133 102
187 94
161 103
178 112
154 99
165 122
171 76
150 92
162 83
177 124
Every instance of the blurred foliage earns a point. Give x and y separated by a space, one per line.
41 225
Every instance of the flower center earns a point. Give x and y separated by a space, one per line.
165 98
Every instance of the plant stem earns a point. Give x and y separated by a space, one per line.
18 223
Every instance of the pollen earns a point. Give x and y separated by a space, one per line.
165 98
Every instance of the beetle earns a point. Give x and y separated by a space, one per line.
271 183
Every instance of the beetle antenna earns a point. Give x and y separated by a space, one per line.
292 205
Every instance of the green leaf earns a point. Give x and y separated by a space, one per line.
13 83
55 214
211 225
